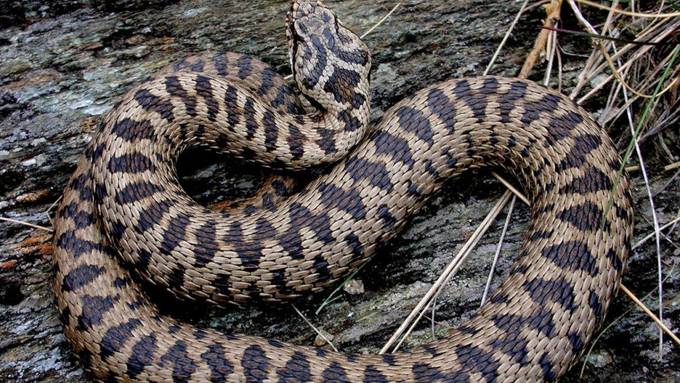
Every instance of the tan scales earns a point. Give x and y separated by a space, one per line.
124 205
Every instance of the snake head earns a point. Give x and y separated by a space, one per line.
324 53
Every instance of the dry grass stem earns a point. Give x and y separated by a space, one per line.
379 23
640 52
652 234
505 37
655 33
49 209
550 46
316 330
655 220
613 322
675 165
512 188
628 13
450 270
12 220
415 322
615 71
498 250
649 313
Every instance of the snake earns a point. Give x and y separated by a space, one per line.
125 224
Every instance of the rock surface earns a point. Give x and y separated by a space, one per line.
62 67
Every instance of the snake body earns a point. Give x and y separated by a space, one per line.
124 207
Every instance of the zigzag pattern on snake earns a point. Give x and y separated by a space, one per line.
124 207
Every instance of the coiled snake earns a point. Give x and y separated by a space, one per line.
124 206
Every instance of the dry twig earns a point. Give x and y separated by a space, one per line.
12 220
539 44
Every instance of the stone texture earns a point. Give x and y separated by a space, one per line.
61 68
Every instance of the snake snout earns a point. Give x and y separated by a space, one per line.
309 17
305 8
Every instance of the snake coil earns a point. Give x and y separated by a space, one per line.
124 207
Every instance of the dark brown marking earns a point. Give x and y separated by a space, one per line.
245 67
475 359
220 62
533 109
175 89
174 233
177 275
295 141
351 123
375 172
355 245
132 131
313 75
152 214
576 342
543 292
386 216
130 163
596 305
204 89
513 344
115 337
231 104
142 355
476 101
573 255
198 66
442 107
137 191
182 365
413 120
83 185
321 269
69 242
348 200
207 246
80 276
299 217
585 216
153 103
220 367
327 141
334 373
342 84
180 64
356 56
249 253
578 154
546 367
507 100
593 180
425 373
562 126
267 81
255 364
373 375
222 284
615 260
249 113
295 370
397 147
93 309
271 131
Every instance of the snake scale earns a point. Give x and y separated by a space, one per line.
124 212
